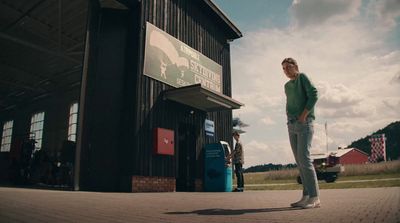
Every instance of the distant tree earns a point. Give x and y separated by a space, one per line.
237 125
392 134
269 167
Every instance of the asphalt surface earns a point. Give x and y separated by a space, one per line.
338 205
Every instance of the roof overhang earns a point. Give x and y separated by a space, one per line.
112 4
225 19
201 98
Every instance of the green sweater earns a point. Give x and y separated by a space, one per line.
300 94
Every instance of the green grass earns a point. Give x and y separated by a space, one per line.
368 176
371 181
322 185
369 184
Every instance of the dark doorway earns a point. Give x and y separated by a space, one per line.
186 158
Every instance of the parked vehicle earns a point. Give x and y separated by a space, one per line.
327 168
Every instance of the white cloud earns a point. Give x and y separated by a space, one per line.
338 101
396 78
356 73
258 153
268 121
319 140
337 95
317 12
392 104
389 108
385 12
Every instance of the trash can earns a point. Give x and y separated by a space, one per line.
217 172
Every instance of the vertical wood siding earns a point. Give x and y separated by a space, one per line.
193 23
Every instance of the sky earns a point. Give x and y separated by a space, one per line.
350 49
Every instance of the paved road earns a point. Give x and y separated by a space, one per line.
338 205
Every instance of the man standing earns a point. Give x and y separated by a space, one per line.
238 161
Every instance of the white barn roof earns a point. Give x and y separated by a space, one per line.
337 153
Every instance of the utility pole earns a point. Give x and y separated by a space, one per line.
326 134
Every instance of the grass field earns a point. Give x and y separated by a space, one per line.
384 174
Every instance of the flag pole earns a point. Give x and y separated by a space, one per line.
326 134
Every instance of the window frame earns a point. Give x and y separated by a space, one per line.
73 121
6 140
37 125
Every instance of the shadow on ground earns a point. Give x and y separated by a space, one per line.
234 212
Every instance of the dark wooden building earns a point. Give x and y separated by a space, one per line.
122 73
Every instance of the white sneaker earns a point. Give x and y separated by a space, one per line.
301 202
312 202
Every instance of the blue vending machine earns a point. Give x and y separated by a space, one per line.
217 171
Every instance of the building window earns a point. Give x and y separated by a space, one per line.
6 138
37 122
73 120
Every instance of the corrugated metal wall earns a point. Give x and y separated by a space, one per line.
193 23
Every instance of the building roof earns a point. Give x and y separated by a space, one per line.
225 19
337 153
342 152
201 98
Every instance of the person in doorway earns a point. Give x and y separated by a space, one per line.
301 97
238 161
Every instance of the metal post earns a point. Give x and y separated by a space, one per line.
81 115
326 134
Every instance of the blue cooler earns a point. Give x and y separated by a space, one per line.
228 179
217 173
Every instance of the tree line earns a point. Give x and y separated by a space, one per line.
269 167
392 134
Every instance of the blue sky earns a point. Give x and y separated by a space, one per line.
349 48
250 16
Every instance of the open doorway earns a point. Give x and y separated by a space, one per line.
186 160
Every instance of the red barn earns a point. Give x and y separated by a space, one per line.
351 156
